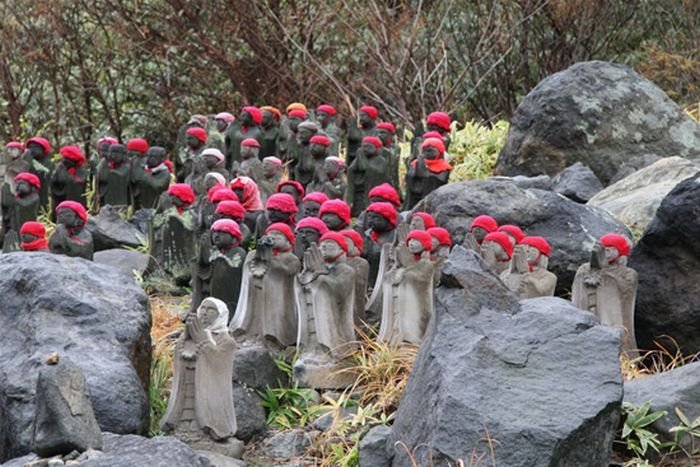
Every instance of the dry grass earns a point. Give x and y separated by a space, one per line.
665 357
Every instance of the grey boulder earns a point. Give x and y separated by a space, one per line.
577 182
539 376
128 262
110 230
598 113
374 448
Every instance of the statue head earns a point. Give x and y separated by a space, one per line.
441 239
335 214
309 230
225 234
421 221
537 251
311 204
432 149
382 217
292 188
368 114
370 146
222 120
271 166
333 246
324 114
117 154
213 158
32 231
482 226
354 241
213 179
385 132
280 207
250 116
155 156
318 146
438 121
294 119
306 131
181 196
271 116
384 193
515 234
213 316
419 241
72 156
26 183
333 167
136 147
72 215
279 236
196 137
38 147
250 148
617 248
500 244
14 150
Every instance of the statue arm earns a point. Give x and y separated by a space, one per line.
289 265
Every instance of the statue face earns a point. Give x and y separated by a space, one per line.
67 163
417 223
304 136
279 241
377 222
273 215
177 202
116 154
330 167
103 148
13 153
332 221
23 188
267 118
36 150
193 142
210 182
611 254
415 247
434 243
269 169
384 135
353 251
290 190
365 120
511 238
221 125
430 152
245 118
322 118
532 254
154 157
223 240
317 150
207 314
479 234
310 208
67 217
308 236
369 149
294 123
210 161
497 249
239 193
248 152
330 250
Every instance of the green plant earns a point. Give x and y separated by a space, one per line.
635 433
289 407
687 427
474 150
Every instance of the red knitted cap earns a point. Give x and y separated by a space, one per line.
487 223
73 153
440 119
442 235
75 207
231 209
199 133
137 144
297 186
373 140
227 225
29 178
43 142
355 237
250 143
316 196
338 207
428 220
386 126
617 241
329 109
337 237
321 139
502 239
282 202
537 242
223 194
284 229
387 210
36 229
387 192
436 143
182 191
370 110
312 223
423 237
255 113
297 113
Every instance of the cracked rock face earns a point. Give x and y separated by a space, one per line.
598 113
540 376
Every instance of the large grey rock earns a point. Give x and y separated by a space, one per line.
634 164
110 230
676 388
635 199
577 182
123 260
571 228
667 260
540 375
64 420
86 312
374 447
285 444
254 367
598 113
250 416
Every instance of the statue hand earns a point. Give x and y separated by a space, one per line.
194 329
598 259
404 257
317 265
402 233
519 262
488 254
471 243
592 280
189 355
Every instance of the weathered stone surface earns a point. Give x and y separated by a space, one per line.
570 228
634 164
86 312
599 113
667 259
541 182
666 391
635 199
64 420
122 260
110 230
540 375
250 416
577 182
374 447
285 444
254 367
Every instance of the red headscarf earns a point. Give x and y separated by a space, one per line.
282 202
29 178
428 220
385 191
37 230
251 194
75 207
231 208
338 207
227 225
356 238
312 223
502 239
442 235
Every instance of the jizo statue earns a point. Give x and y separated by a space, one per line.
33 237
270 127
292 154
24 206
326 117
330 178
367 118
151 182
40 164
246 126
496 251
114 179
335 214
428 172
311 204
528 275
208 161
305 167
391 152
70 236
361 267
606 287
69 179
250 164
271 176
368 170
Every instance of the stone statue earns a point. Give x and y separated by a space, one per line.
292 154
309 231
515 234
280 208
384 193
325 296
265 312
305 167
367 117
368 169
271 118
318 147
331 179
219 267
234 210
311 204
608 288
137 153
271 176
208 161
361 267
172 234
528 275
296 190
496 251
249 196
103 145
421 221
382 220
180 149
480 227
250 164
70 237
40 164
428 172
207 206
391 152
114 178
325 116
200 409
216 137
25 204
69 178
247 126
438 125
196 140
151 181
33 237
407 305
442 244
335 214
